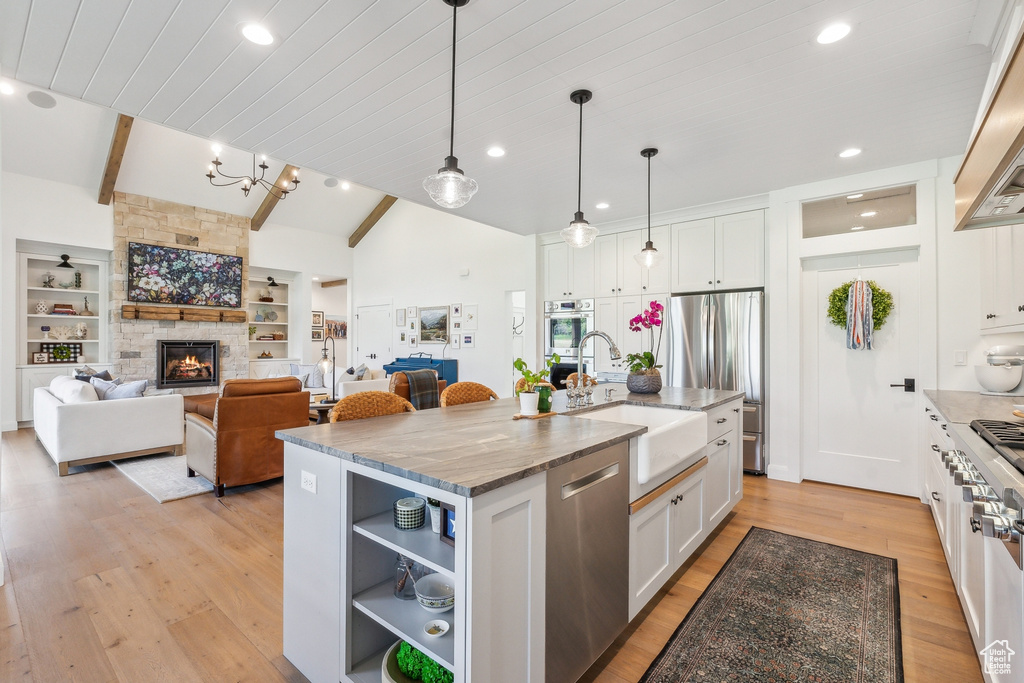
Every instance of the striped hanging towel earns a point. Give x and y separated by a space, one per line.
859 324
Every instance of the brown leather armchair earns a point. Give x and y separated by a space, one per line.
238 445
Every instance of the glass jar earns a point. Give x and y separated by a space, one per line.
407 573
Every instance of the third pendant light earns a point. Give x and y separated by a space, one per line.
580 233
648 256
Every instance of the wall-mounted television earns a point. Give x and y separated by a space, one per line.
169 275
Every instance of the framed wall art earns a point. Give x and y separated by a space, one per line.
469 315
456 311
412 341
434 325
468 340
456 341
318 334
168 275
336 326
318 318
400 317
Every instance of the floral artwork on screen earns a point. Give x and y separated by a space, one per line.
168 275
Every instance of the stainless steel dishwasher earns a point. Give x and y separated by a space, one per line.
587 561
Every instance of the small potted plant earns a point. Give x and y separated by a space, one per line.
252 331
644 377
534 400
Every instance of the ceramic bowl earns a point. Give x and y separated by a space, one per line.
435 593
389 671
998 378
435 628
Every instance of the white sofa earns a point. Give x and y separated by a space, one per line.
95 431
348 384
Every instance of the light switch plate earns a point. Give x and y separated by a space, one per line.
960 357
308 481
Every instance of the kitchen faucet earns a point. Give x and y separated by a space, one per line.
612 349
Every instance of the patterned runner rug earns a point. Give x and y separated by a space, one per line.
785 608
163 476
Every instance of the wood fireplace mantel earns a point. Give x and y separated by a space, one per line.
191 313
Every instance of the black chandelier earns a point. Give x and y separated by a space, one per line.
250 181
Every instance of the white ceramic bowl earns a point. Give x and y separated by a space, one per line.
435 628
435 593
998 378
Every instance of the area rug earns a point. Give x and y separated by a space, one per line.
163 476
785 608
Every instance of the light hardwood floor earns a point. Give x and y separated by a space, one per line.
105 584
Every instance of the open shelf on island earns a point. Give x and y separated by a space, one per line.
368 670
422 545
405 618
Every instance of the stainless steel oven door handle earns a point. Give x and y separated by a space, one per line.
585 482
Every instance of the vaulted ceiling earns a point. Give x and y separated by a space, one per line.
737 94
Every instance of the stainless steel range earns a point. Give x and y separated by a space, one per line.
997 513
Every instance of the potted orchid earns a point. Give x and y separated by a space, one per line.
644 377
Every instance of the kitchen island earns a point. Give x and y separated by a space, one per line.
492 472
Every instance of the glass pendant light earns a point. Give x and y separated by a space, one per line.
580 233
450 187
648 256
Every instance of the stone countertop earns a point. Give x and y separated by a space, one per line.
477 447
964 406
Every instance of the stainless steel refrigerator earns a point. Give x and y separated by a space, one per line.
716 341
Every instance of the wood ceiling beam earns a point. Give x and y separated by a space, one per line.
271 200
334 283
118 143
371 220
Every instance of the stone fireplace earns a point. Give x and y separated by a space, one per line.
187 364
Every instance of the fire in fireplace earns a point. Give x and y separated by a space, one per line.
187 364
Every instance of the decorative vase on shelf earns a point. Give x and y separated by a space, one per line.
41 307
528 403
645 382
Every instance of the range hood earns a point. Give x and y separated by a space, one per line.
990 182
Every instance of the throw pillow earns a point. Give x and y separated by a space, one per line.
102 386
361 371
85 370
85 377
112 391
314 379
74 392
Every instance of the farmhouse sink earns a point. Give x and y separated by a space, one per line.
672 435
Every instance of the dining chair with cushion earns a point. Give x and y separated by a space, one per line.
426 393
369 404
587 379
466 392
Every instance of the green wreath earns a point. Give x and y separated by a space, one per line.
881 304
62 352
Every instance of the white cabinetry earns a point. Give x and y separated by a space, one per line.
663 535
567 272
1004 621
658 278
1002 285
726 252
618 273
270 318
725 462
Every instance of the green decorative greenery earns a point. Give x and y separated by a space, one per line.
534 378
62 352
252 330
642 362
420 667
881 304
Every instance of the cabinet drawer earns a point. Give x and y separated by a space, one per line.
720 421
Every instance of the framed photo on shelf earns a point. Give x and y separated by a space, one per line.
400 317
318 334
39 358
318 319
448 524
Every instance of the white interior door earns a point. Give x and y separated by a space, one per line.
857 429
373 336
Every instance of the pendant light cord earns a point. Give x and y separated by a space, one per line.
648 199
579 167
455 18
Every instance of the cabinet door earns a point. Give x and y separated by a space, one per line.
659 278
630 275
582 282
627 340
555 269
988 279
693 256
606 263
32 378
688 530
1002 300
972 575
718 482
739 250
1015 278
1004 588
651 551
606 319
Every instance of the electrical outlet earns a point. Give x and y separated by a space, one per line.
960 357
308 481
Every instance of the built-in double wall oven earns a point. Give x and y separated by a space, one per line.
565 323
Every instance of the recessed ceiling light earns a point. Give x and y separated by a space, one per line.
495 152
854 196
601 205
345 185
41 99
857 227
315 277
330 182
833 33
847 153
257 34
869 214
6 89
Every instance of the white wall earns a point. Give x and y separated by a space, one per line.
413 257
332 301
